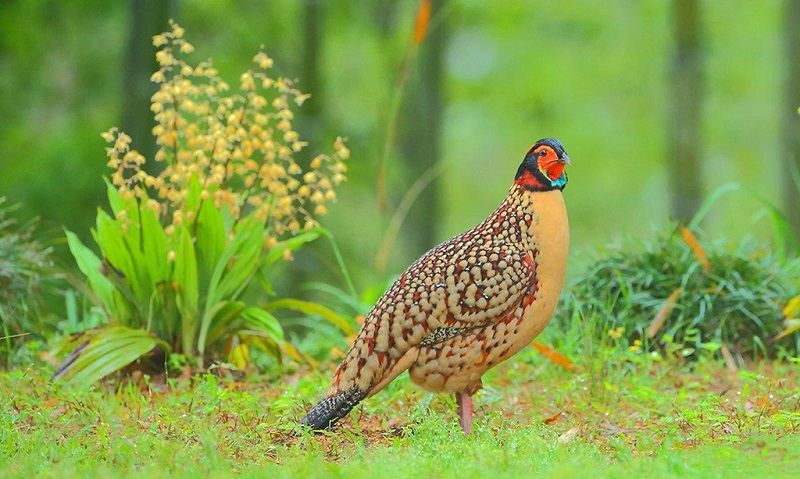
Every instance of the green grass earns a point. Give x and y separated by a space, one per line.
666 419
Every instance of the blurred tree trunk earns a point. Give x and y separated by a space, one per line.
791 119
148 18
420 139
685 106
313 11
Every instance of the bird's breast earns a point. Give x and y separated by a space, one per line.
548 242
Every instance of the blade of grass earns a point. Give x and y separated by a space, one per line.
402 211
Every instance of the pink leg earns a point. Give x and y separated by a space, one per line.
464 402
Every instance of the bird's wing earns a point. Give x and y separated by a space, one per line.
481 285
461 285
458 286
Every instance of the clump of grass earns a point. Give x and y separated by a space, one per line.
24 262
710 295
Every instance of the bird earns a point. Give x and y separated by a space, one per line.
469 303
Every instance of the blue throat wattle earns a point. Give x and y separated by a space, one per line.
560 181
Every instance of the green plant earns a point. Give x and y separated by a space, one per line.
24 264
183 252
670 292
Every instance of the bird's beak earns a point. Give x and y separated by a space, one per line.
565 159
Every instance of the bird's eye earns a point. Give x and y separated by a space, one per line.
543 152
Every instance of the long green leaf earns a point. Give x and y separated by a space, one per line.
309 307
105 350
291 244
111 240
185 276
154 246
245 260
210 243
89 264
263 321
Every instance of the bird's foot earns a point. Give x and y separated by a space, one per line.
464 402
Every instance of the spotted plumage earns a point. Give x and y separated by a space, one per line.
467 304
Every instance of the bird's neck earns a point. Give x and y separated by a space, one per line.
526 214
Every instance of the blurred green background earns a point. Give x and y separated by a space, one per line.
491 77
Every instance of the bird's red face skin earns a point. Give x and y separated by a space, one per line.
542 169
549 163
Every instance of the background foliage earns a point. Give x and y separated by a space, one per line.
592 74
595 75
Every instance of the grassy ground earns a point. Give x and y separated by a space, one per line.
665 419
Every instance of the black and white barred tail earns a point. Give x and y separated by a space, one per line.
332 408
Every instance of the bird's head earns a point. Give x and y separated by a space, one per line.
542 169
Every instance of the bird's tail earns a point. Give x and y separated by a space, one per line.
332 408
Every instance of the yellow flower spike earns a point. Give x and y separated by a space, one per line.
187 47
163 58
247 82
279 103
294 169
258 102
154 205
158 77
263 61
159 40
108 136
320 210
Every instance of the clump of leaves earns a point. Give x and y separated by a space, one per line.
24 262
182 249
675 290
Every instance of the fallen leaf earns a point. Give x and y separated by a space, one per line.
664 312
554 418
791 325
792 308
569 435
553 355
423 18
690 240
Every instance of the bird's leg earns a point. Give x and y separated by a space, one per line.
464 402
